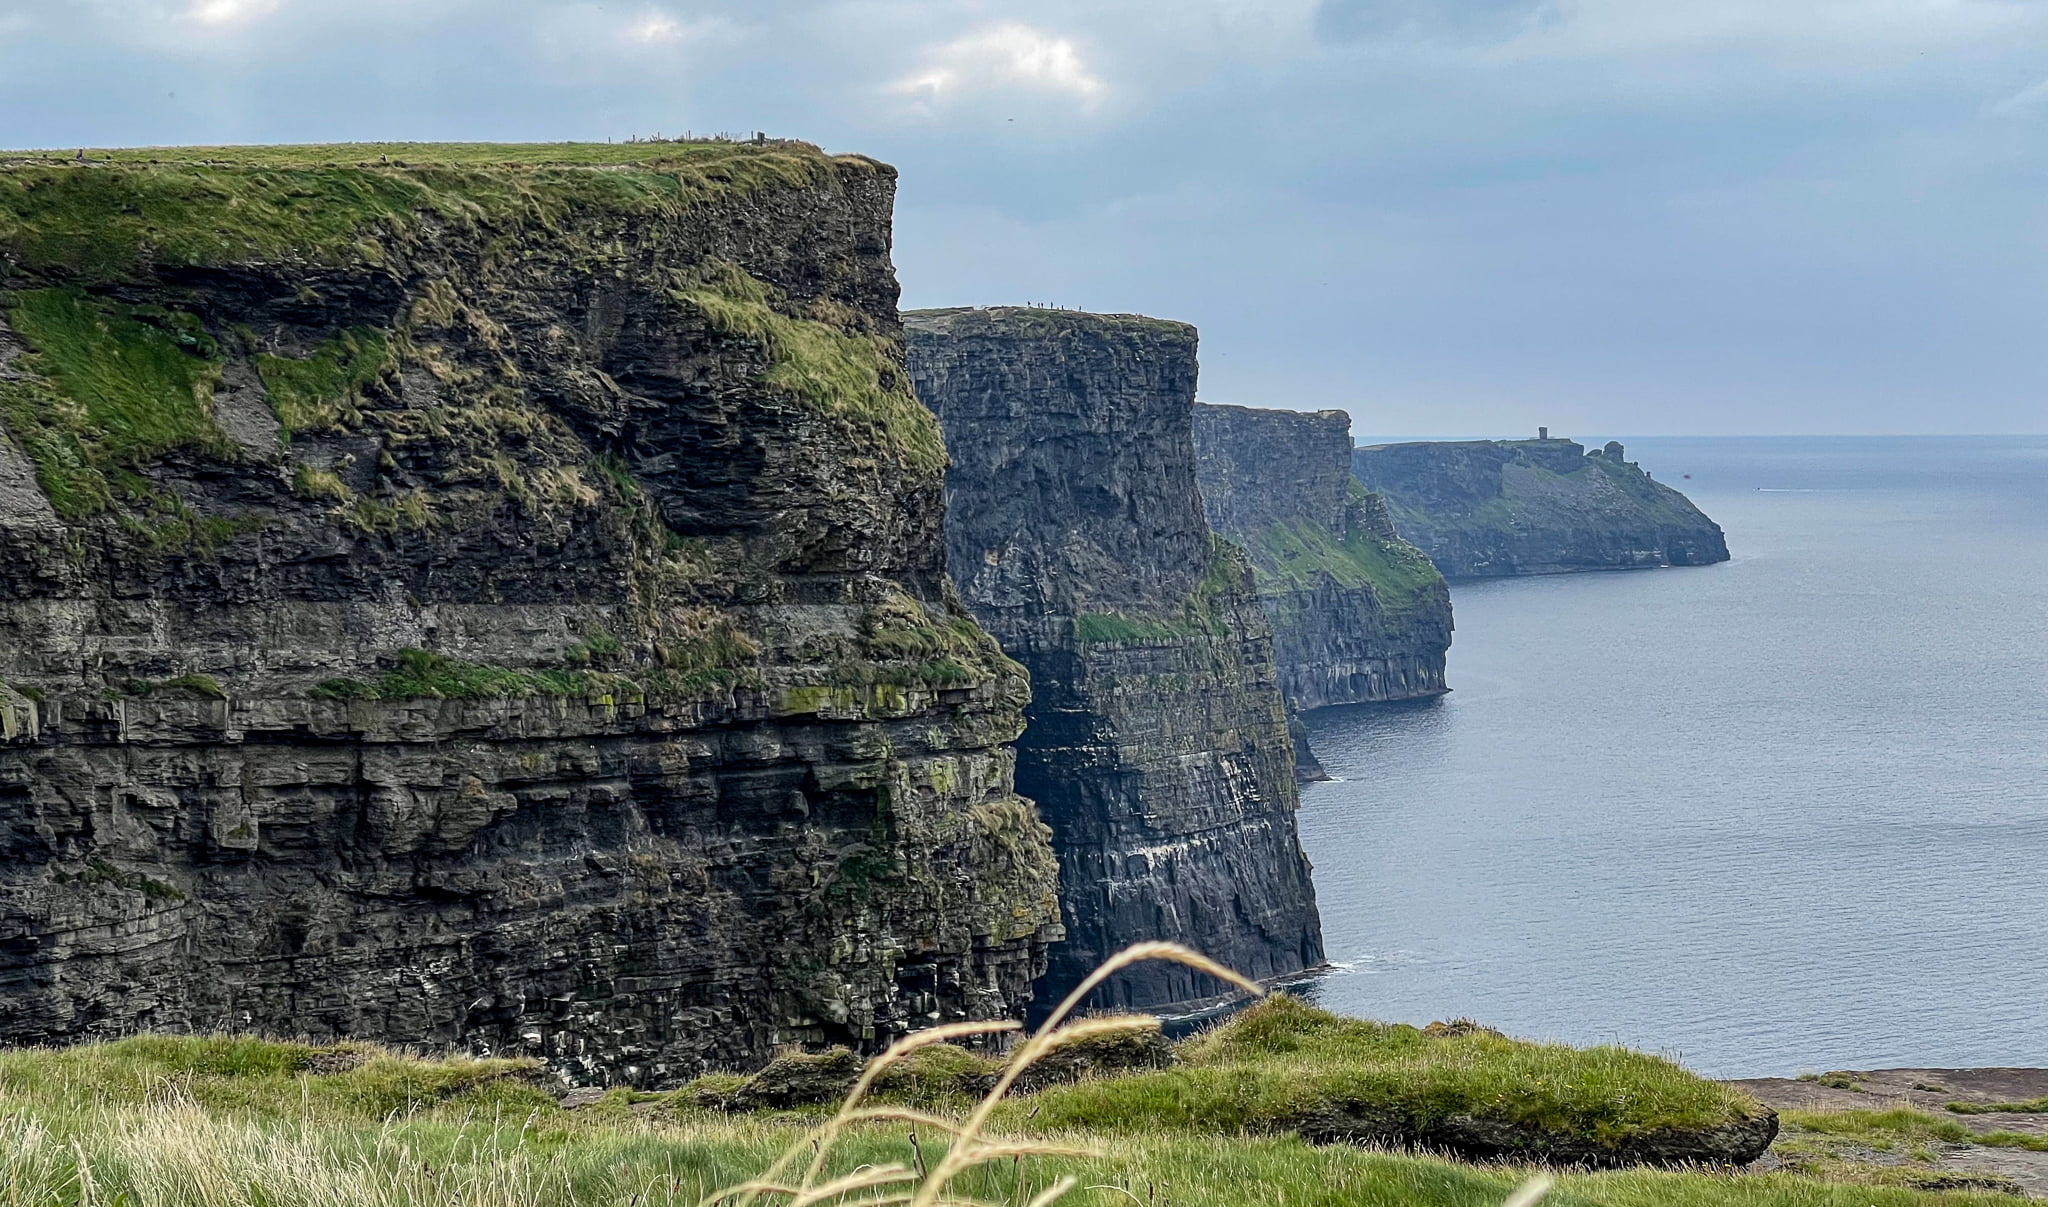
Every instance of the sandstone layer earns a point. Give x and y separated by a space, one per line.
1495 508
1156 742
1359 615
488 597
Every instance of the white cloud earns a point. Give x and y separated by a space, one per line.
2024 103
229 12
1005 55
657 28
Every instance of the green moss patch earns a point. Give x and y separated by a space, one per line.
1297 554
423 675
1283 1062
268 1078
326 389
832 366
114 386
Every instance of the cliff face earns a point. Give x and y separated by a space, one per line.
494 601
1156 741
1358 614
1490 508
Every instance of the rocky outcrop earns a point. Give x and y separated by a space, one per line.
1358 614
1492 508
492 601
1156 743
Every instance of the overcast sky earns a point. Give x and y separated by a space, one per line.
1450 217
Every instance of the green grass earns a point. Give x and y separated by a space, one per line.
1296 555
422 675
826 361
213 1122
1905 1125
713 661
323 390
114 387
205 687
1283 1060
215 206
2032 1106
1041 322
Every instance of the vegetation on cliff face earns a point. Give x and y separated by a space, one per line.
834 366
107 387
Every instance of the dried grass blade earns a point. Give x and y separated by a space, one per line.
1056 1190
1138 953
861 1179
1529 1193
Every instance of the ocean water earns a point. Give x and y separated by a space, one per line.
1788 813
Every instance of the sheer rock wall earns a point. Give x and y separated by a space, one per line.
1156 743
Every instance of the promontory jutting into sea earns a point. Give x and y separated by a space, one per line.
546 605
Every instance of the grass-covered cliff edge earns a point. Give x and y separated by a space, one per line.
1215 1120
488 595
1489 508
1358 614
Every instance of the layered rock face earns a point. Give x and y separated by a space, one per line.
494 601
1156 743
1491 508
1358 614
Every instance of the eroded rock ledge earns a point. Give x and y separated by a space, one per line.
1156 743
492 601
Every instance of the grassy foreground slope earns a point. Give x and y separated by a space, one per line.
218 1122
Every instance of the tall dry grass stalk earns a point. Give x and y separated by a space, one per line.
970 1147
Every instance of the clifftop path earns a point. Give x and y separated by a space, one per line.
490 597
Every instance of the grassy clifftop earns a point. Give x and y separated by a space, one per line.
118 213
200 1122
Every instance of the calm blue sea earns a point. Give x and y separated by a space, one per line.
1784 814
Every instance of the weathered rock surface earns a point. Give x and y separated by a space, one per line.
1736 1142
1156 743
1358 614
1493 508
489 604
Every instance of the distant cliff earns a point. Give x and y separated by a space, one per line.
1156 742
1358 613
1491 508
494 600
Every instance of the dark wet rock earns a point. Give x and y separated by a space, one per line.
1737 1142
1156 743
798 1079
1489 508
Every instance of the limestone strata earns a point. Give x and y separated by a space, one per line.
1156 743
1358 614
1493 508
489 604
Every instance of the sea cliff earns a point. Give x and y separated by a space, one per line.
488 597
1494 508
1156 742
1358 614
